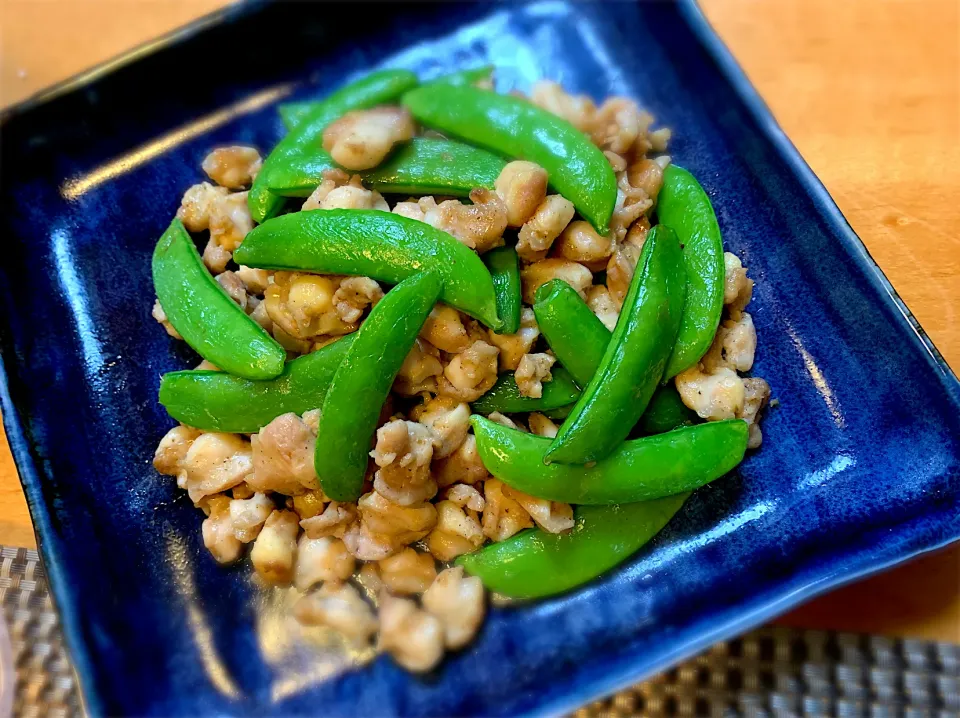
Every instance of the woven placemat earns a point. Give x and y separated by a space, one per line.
773 671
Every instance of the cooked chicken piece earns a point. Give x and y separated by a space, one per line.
412 636
458 601
275 549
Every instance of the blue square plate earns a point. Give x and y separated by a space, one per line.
859 467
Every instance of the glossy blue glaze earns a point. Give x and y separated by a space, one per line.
859 467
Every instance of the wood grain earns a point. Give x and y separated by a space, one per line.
868 90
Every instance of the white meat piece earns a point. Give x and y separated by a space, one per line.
464 496
552 516
458 601
537 235
503 516
450 421
408 572
321 560
161 316
196 205
403 454
173 448
715 396
217 531
248 515
233 167
215 463
542 426
419 370
361 140
463 465
603 306
275 548
522 186
334 520
354 295
283 457
513 346
479 225
309 504
539 273
412 636
578 110
756 396
533 370
444 329
458 531
471 373
340 607
580 242
620 269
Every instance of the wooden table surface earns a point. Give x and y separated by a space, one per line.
868 90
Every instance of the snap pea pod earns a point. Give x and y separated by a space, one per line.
578 339
575 334
470 76
505 396
374 89
297 175
504 266
377 244
559 414
360 386
420 167
638 470
534 563
666 411
217 401
634 359
517 128
205 316
685 208
433 166
292 113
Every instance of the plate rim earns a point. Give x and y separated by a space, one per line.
49 543
811 184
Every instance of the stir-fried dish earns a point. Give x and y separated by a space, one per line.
452 340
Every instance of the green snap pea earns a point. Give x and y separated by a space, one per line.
634 359
684 207
470 76
420 167
504 266
292 113
360 386
575 334
534 563
374 89
377 244
433 166
297 175
505 396
579 339
217 401
558 414
205 316
638 470
666 411
517 128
